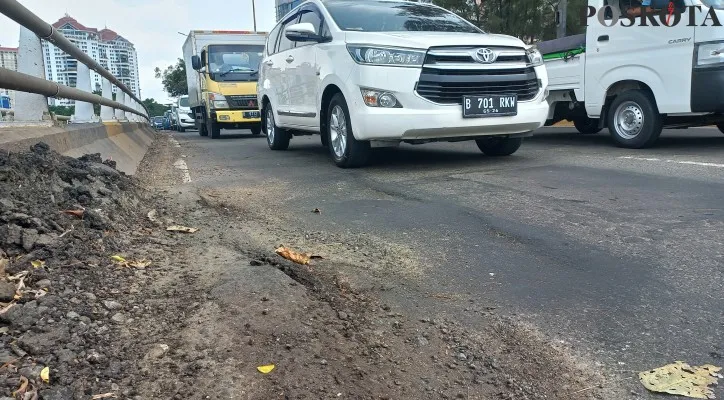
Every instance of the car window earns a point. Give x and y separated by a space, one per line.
386 16
271 44
311 16
284 43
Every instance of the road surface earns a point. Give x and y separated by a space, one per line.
617 253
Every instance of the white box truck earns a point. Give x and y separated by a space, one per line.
640 68
222 70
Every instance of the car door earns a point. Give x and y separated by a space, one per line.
269 73
285 70
303 74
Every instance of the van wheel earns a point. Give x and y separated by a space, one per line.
499 146
721 127
276 138
634 120
346 151
256 131
213 128
586 126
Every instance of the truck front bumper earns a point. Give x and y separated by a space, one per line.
236 116
707 89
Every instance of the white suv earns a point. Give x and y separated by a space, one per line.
373 73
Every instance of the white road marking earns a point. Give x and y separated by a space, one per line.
697 163
181 164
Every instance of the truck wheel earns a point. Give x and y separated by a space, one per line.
499 146
347 152
256 131
213 128
721 127
634 120
276 138
201 126
181 129
586 126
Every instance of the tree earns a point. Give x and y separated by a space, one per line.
173 79
155 109
62 110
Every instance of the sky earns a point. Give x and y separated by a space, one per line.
151 25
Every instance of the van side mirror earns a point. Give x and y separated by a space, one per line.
196 62
303 32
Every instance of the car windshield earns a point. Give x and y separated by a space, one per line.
387 16
183 102
719 4
235 63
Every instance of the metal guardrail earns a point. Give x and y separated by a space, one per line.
27 83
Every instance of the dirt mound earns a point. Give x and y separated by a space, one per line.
60 219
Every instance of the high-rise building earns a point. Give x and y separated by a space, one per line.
8 60
109 49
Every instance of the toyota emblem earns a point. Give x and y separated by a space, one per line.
486 56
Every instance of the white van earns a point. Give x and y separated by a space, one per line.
634 74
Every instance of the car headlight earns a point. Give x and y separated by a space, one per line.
387 56
535 58
709 54
218 101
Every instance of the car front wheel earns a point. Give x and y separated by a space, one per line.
276 138
499 146
346 151
721 127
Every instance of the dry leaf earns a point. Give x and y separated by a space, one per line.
103 396
289 254
179 228
118 259
45 375
75 213
37 263
139 264
682 379
265 369
23 387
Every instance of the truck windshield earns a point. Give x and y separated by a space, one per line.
235 63
385 16
719 4
183 102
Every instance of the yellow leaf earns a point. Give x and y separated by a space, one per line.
179 228
682 379
289 254
265 369
37 263
45 375
118 259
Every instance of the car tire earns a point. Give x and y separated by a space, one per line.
276 138
721 127
181 129
499 146
324 139
346 151
256 131
587 126
634 120
213 128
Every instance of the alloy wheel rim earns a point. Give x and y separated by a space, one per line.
270 126
338 131
629 119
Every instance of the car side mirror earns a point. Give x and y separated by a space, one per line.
196 62
303 32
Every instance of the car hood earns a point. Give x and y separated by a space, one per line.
426 40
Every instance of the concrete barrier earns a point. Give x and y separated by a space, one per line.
124 143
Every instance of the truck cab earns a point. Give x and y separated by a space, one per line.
639 69
222 78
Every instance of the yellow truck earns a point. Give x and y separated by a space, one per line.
222 69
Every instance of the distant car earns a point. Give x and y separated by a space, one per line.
184 116
158 122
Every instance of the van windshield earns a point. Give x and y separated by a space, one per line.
183 102
719 4
235 63
386 16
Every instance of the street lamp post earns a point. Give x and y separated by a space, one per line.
253 13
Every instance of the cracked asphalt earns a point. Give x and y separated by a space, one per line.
616 253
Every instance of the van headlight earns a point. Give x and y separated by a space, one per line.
708 54
387 56
535 58
218 101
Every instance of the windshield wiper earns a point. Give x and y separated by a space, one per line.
241 71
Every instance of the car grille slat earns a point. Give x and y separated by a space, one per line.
450 73
243 102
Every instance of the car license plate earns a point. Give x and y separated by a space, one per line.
252 114
493 105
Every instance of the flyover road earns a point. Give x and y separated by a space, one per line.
618 252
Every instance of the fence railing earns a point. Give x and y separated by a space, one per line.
27 83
